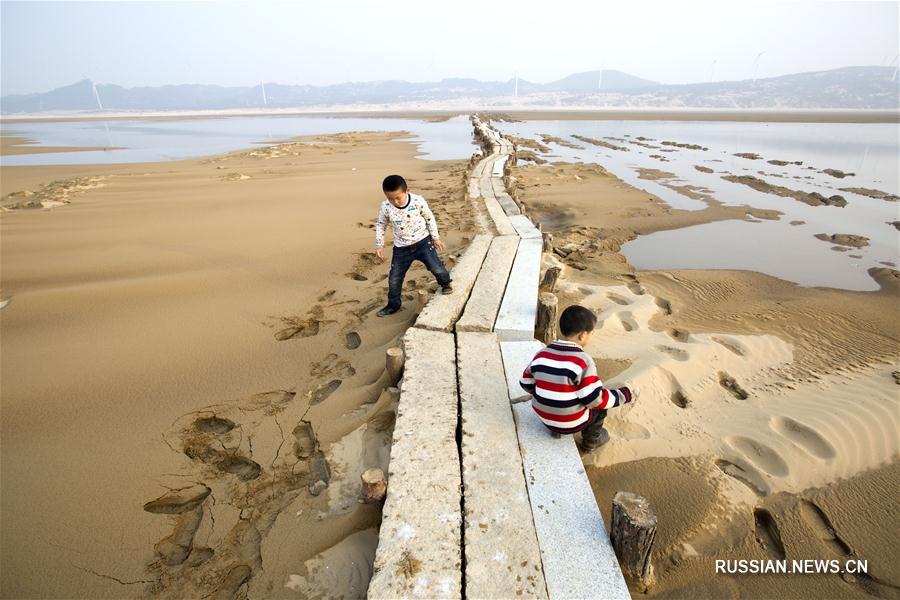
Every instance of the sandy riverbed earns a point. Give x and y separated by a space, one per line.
205 326
767 425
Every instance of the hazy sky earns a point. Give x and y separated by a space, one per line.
50 44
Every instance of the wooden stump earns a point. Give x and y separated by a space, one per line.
633 530
374 486
548 242
394 364
545 327
548 283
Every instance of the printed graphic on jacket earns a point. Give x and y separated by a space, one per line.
411 223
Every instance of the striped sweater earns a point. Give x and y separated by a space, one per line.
564 386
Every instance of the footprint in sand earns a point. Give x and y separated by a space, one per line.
214 424
177 501
747 475
679 399
632 431
636 289
618 299
806 437
627 321
676 353
679 335
664 306
306 328
304 440
677 395
767 533
353 340
322 392
759 455
175 549
816 519
731 386
204 447
730 344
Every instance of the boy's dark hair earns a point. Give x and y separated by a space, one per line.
392 183
576 319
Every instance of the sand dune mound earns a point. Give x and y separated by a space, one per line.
721 396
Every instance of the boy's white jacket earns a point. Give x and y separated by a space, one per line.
411 223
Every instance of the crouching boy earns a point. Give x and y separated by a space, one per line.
566 392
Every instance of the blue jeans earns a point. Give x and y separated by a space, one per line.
401 259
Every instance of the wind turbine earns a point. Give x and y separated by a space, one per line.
756 64
263 86
712 70
894 76
96 94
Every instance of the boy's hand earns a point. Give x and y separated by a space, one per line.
635 391
379 252
439 244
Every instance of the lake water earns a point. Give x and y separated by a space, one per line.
870 151
152 141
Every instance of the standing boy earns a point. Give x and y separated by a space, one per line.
566 392
415 238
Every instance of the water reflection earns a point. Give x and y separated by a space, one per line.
150 141
869 151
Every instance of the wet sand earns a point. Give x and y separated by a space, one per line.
205 326
768 411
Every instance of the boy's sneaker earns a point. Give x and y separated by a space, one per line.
595 441
447 289
387 310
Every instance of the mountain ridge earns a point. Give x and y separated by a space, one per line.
859 87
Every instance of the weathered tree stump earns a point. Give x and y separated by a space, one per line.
633 530
548 242
545 327
394 364
374 486
548 283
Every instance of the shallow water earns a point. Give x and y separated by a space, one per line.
871 151
152 141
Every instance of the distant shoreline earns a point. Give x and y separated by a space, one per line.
519 113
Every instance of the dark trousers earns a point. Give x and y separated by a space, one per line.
401 259
591 432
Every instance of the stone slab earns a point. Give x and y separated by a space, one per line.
524 227
480 167
503 559
497 170
516 356
509 205
487 191
442 310
566 516
515 319
498 216
498 186
487 293
421 519
474 189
